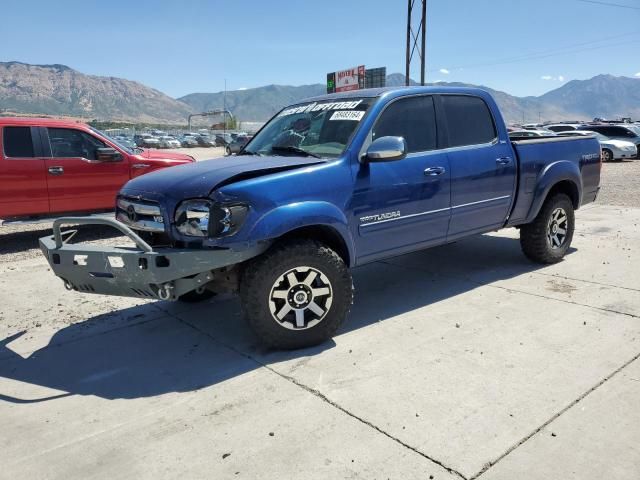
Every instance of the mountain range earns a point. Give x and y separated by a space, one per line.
60 90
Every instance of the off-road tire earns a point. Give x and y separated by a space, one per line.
194 296
533 236
260 276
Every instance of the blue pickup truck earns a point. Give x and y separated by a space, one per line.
328 184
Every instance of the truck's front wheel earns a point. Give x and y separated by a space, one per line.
297 294
548 237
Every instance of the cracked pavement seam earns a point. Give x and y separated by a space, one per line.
554 417
323 398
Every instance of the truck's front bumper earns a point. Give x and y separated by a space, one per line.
140 271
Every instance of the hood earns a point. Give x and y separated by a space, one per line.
200 178
153 154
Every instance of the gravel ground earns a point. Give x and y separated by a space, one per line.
620 186
620 183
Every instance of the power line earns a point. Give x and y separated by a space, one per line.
618 5
568 49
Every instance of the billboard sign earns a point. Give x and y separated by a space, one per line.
356 78
350 79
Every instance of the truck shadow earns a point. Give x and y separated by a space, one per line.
180 348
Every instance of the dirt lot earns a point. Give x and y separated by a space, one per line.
621 184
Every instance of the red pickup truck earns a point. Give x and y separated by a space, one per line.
51 166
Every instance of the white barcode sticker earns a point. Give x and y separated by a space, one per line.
348 115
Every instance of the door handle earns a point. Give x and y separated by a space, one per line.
503 161
140 165
433 171
56 170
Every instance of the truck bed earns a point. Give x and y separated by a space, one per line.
572 156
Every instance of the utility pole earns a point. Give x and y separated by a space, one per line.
224 108
416 39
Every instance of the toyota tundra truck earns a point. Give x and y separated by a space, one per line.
50 167
328 184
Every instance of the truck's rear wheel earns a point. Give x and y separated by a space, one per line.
548 237
297 294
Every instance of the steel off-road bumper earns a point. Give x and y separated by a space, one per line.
142 272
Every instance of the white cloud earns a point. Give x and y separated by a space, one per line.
559 78
444 71
637 75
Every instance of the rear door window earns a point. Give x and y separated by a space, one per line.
624 132
18 142
468 120
70 143
413 118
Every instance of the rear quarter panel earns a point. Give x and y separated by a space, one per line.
546 162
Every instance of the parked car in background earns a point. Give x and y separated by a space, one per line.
50 167
168 142
146 140
223 139
611 149
531 133
126 141
562 127
205 141
627 132
188 141
237 145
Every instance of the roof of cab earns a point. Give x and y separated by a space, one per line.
395 91
38 121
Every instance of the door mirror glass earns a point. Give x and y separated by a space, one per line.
108 154
386 149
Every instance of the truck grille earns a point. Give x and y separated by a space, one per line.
140 215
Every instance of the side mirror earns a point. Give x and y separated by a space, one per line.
108 154
386 149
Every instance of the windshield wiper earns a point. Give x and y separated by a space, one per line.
292 149
249 152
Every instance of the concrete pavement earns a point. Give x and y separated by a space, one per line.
464 361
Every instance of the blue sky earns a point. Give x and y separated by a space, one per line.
519 46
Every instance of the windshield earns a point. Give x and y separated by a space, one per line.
113 140
320 129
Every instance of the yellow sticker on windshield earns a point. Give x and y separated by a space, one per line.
347 115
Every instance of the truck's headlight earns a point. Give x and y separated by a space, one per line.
203 218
